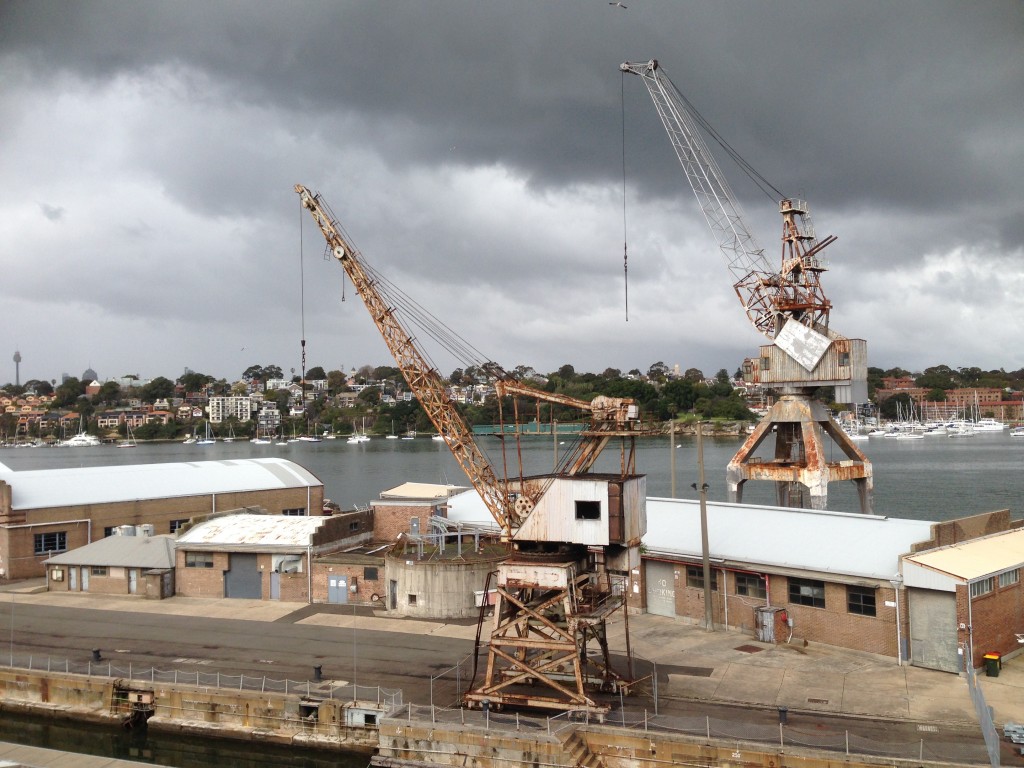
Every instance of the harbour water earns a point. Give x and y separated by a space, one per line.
935 478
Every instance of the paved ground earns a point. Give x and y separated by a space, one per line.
720 667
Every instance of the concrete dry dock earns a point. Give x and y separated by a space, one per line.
702 676
17 755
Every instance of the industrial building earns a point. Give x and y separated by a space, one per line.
48 511
790 575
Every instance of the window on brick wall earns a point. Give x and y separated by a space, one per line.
1009 578
807 592
751 585
695 578
860 600
983 587
176 525
296 512
56 541
98 570
370 573
199 560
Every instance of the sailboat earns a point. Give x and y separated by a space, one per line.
208 439
359 436
263 439
129 441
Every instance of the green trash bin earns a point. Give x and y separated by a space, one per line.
993 661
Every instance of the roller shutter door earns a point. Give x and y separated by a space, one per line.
243 580
933 630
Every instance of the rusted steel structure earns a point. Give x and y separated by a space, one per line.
573 536
788 306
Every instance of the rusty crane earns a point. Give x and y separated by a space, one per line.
573 535
787 305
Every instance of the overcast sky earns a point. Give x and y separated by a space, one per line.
477 152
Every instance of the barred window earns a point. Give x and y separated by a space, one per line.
807 592
751 585
44 543
370 573
861 600
199 560
98 570
695 578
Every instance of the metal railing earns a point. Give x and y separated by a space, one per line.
325 689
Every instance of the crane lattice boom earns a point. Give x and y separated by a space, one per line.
794 292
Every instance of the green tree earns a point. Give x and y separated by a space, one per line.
67 394
160 388
316 373
194 382
109 394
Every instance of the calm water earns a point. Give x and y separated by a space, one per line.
936 478
182 751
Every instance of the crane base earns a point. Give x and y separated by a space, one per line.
799 469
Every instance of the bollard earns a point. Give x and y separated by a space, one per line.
318 673
96 654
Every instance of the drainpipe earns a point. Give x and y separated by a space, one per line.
309 574
725 599
970 627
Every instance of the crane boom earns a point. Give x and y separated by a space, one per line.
422 378
769 296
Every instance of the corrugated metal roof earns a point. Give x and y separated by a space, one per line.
842 543
253 531
41 488
977 558
124 551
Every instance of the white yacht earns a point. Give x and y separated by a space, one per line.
81 440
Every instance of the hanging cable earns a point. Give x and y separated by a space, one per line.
625 248
759 180
302 302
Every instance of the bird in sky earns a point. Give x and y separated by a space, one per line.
620 5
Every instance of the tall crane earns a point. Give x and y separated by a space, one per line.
789 307
573 535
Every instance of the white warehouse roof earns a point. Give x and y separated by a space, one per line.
42 488
974 559
253 531
843 543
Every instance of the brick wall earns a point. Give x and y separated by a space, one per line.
18 558
366 589
993 618
391 519
833 625
965 528
200 582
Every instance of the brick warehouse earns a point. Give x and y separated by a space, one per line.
789 575
44 512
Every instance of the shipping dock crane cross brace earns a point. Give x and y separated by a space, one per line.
574 535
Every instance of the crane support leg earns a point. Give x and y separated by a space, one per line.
537 654
799 467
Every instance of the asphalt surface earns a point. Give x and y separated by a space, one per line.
726 678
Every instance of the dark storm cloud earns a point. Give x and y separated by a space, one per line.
487 138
